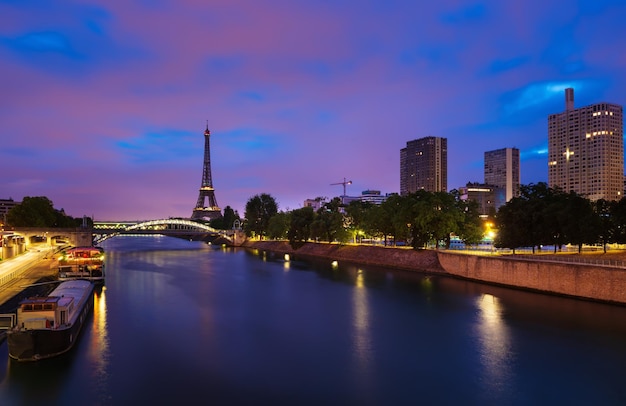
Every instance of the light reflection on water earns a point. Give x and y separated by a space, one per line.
98 346
361 329
495 351
178 322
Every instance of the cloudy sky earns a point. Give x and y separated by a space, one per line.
103 103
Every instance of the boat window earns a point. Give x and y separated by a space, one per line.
27 307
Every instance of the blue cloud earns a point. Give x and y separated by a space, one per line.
436 55
325 117
540 151
247 139
42 42
500 66
251 95
536 95
158 146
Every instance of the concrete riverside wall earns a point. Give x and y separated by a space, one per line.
584 281
577 280
406 259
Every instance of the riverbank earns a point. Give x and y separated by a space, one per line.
12 292
583 281
405 259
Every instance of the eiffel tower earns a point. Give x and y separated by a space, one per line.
210 211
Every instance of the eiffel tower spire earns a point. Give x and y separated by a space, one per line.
211 210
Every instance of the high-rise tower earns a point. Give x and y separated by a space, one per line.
211 210
503 171
424 165
586 150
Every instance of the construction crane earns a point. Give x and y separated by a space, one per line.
344 183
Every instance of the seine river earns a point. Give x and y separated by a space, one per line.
180 322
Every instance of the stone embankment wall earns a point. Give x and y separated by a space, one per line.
406 259
583 281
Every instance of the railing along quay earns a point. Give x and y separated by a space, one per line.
612 263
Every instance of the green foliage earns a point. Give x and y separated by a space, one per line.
539 216
226 221
278 225
259 210
356 217
39 212
328 225
548 216
300 226
470 229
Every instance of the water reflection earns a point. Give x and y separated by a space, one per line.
361 329
495 342
98 352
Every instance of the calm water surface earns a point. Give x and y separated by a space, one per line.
180 322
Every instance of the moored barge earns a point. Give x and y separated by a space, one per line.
49 325
82 263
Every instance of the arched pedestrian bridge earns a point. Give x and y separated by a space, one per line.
173 227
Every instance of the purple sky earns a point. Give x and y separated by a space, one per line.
104 103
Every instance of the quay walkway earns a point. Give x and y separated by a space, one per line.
16 274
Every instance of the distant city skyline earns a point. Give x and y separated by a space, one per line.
105 103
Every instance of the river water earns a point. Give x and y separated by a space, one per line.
182 321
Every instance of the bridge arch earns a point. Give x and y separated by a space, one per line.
171 226
167 222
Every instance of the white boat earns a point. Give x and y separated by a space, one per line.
49 325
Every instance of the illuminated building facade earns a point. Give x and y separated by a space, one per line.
485 195
424 165
586 150
502 170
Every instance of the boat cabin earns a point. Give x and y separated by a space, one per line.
44 312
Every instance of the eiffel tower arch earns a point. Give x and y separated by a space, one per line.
210 210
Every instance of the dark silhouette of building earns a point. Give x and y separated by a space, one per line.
424 165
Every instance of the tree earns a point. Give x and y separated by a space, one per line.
259 210
606 225
582 224
300 226
356 215
39 212
226 221
618 216
278 225
542 216
389 219
435 217
329 222
513 225
469 229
